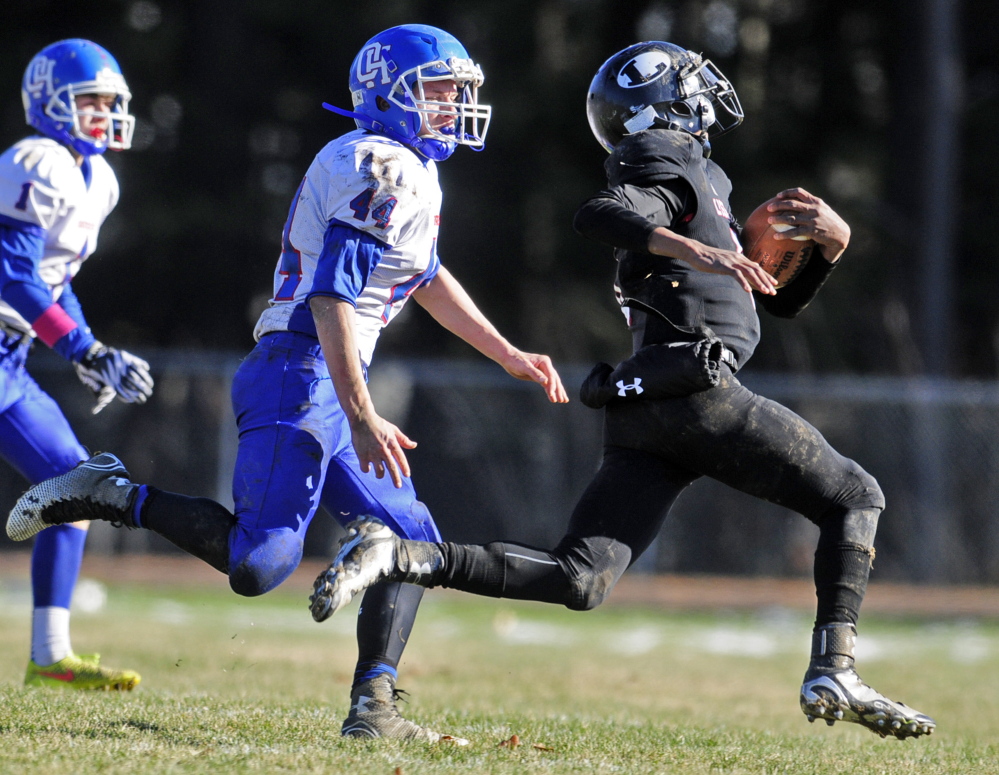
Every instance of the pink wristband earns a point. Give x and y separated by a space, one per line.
53 324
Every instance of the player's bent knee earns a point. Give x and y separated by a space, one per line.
589 591
595 565
266 564
864 492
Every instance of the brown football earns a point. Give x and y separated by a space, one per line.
781 259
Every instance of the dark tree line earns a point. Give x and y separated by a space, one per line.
228 98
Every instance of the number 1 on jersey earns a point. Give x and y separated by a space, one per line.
22 202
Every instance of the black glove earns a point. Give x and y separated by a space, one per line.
109 372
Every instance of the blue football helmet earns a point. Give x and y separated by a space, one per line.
61 72
660 84
387 82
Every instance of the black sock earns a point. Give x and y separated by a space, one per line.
199 526
841 573
504 570
384 622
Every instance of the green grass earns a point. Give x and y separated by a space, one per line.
235 685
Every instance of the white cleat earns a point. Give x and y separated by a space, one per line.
840 695
367 555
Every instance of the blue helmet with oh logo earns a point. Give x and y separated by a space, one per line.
56 76
387 87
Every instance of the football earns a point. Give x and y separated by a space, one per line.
781 259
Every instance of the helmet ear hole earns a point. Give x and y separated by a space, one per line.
681 109
381 103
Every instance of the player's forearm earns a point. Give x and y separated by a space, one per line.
663 242
607 220
449 304
335 326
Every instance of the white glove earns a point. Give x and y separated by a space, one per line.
109 372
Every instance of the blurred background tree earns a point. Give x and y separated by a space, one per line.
850 99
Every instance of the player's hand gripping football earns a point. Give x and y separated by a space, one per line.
110 372
532 367
809 216
381 444
705 258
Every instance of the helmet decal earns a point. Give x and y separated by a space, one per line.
38 78
643 69
371 64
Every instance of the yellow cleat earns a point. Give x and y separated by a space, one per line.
81 672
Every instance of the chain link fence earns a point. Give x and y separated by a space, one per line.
495 460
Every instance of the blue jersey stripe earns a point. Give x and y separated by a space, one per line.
348 258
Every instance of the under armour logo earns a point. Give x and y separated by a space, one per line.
361 706
622 389
372 62
420 569
38 80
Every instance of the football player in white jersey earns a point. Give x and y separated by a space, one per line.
360 239
55 192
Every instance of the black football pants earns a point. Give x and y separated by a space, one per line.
653 451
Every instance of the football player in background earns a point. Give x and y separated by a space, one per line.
56 189
360 239
690 300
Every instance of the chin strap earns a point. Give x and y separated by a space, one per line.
431 147
350 114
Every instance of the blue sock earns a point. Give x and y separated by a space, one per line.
367 670
55 565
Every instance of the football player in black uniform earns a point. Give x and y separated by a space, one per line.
675 410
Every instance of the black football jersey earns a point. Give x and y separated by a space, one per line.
661 177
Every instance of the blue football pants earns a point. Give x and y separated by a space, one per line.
295 453
37 441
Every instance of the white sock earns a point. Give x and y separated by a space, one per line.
50 635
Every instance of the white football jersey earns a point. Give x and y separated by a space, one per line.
42 186
377 186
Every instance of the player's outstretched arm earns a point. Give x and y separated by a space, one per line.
810 216
449 304
704 258
377 442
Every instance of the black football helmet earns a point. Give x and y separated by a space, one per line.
660 84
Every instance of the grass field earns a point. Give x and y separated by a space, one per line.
236 685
